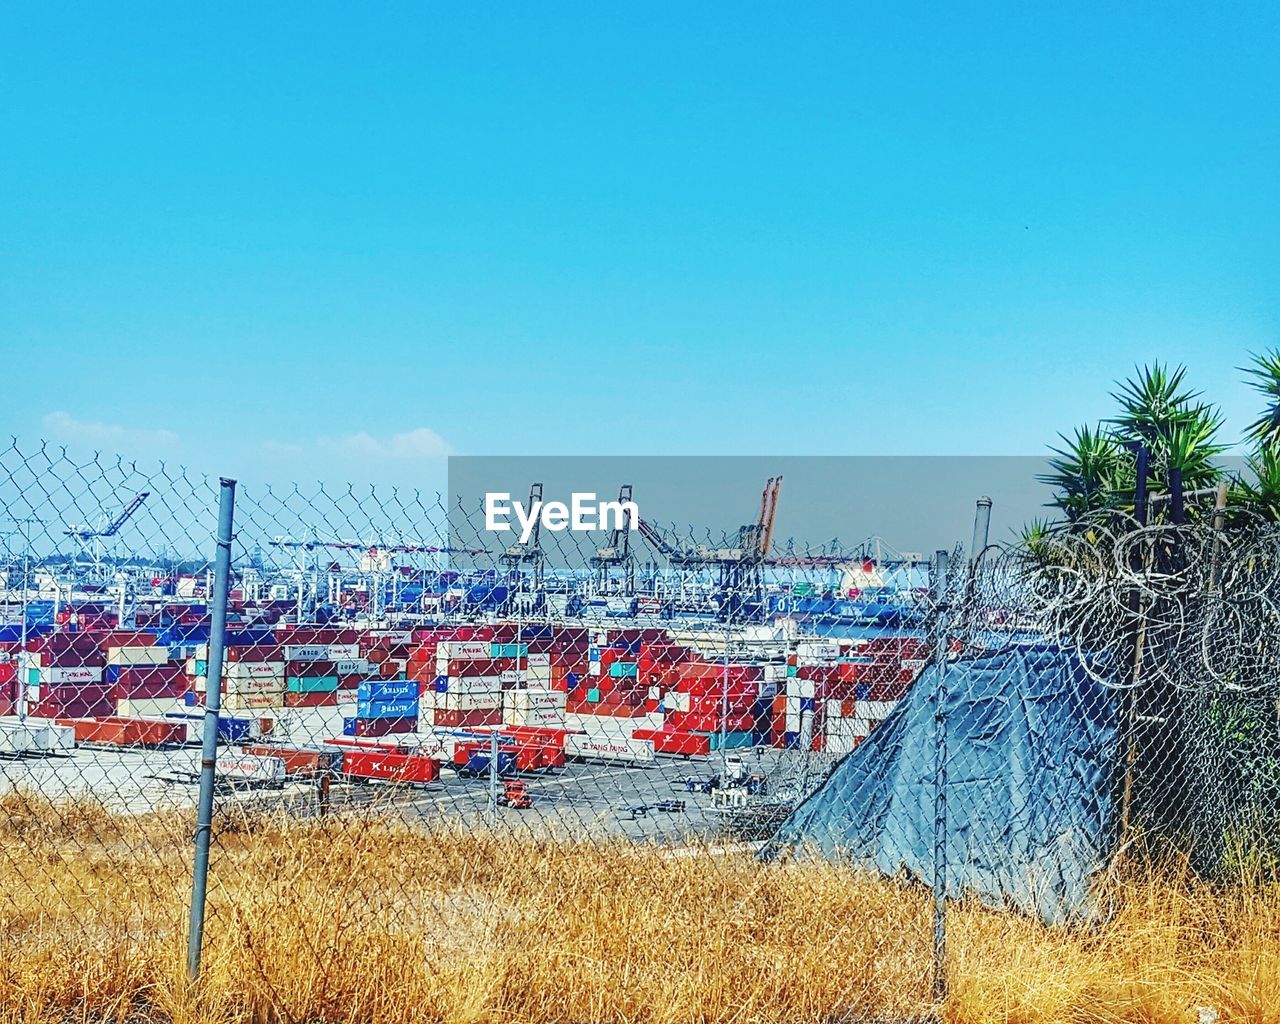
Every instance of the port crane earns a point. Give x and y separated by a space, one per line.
617 553
89 539
531 554
739 567
377 558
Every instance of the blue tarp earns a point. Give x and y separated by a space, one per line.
1033 742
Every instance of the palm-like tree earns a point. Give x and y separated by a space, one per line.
1264 377
1157 410
1096 469
1087 473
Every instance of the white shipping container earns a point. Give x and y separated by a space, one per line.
773 673
353 667
392 636
540 660
56 675
511 677
250 768
252 684
593 668
609 749
538 674
814 651
534 698
463 650
468 700
472 684
311 652
797 687
536 717
137 655
676 701
253 701
875 710
253 669
146 707
341 652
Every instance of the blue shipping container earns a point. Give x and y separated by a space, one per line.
387 708
386 689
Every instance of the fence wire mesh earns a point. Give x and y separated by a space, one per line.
579 776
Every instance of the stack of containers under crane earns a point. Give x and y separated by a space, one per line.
253 671
65 677
710 707
466 687
144 681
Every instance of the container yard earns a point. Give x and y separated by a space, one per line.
640 730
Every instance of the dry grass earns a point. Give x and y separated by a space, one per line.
354 919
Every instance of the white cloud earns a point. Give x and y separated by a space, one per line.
62 426
420 443
410 445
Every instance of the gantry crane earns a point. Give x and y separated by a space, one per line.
740 585
90 539
528 553
617 553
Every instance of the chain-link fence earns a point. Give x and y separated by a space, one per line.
627 774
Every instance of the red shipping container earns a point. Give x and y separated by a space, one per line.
385 726
391 767
153 689
686 722
313 636
480 667
310 700
256 653
71 709
127 732
298 761
674 741
466 719
127 638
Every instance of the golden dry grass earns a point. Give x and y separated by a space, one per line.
356 919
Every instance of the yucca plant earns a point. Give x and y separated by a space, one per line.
1264 377
1086 473
1257 491
1159 411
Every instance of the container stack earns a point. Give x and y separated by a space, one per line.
710 707
466 690
384 707
65 677
253 673
144 681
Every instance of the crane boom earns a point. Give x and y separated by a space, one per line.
113 527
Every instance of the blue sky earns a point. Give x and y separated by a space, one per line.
323 240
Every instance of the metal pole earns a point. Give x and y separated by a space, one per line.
724 711
493 775
1219 522
212 706
940 780
1137 564
981 533
23 658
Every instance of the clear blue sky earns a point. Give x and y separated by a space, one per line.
336 239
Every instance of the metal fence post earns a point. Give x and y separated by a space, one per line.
213 704
941 648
